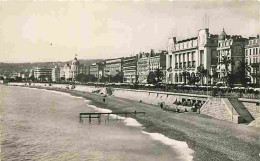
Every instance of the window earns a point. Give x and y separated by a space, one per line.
246 52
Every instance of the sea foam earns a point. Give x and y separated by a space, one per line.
180 146
128 121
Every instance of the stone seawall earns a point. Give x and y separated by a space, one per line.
219 108
157 97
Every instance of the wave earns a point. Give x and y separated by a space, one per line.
180 146
128 121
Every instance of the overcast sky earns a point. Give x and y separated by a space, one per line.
112 29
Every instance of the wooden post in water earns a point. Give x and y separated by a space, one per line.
80 120
99 118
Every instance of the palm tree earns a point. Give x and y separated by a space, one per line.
158 75
202 73
242 69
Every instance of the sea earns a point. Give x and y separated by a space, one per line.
44 125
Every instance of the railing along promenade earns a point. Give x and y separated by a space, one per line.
221 92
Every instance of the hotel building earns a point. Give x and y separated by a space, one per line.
230 48
112 67
42 73
55 74
252 58
158 61
130 69
188 54
70 72
93 70
143 67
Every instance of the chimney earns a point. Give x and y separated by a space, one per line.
174 39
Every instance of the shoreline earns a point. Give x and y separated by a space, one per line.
185 127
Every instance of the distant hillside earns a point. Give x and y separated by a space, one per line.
8 69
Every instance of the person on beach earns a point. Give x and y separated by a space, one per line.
104 99
161 105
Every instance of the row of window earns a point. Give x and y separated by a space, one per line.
254 60
252 51
190 64
184 56
252 42
225 43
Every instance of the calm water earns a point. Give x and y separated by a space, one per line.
43 125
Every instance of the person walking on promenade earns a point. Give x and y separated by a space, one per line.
161 105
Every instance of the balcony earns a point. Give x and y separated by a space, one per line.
193 64
255 65
184 65
180 65
176 65
189 64
169 69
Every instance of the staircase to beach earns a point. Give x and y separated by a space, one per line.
241 109
228 109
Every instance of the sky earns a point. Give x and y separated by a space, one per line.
57 30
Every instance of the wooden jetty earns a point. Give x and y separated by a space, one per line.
98 115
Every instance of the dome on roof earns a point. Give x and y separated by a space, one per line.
223 35
75 61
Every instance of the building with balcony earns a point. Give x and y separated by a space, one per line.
231 56
70 71
143 67
147 62
55 74
158 61
43 74
93 70
130 69
112 67
252 59
186 55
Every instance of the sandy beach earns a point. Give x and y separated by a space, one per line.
211 139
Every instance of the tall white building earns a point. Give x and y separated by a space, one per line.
43 74
188 54
252 58
70 72
55 74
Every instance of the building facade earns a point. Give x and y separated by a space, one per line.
43 74
158 61
143 67
55 74
150 62
231 56
185 56
70 71
93 70
130 69
112 67
252 59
